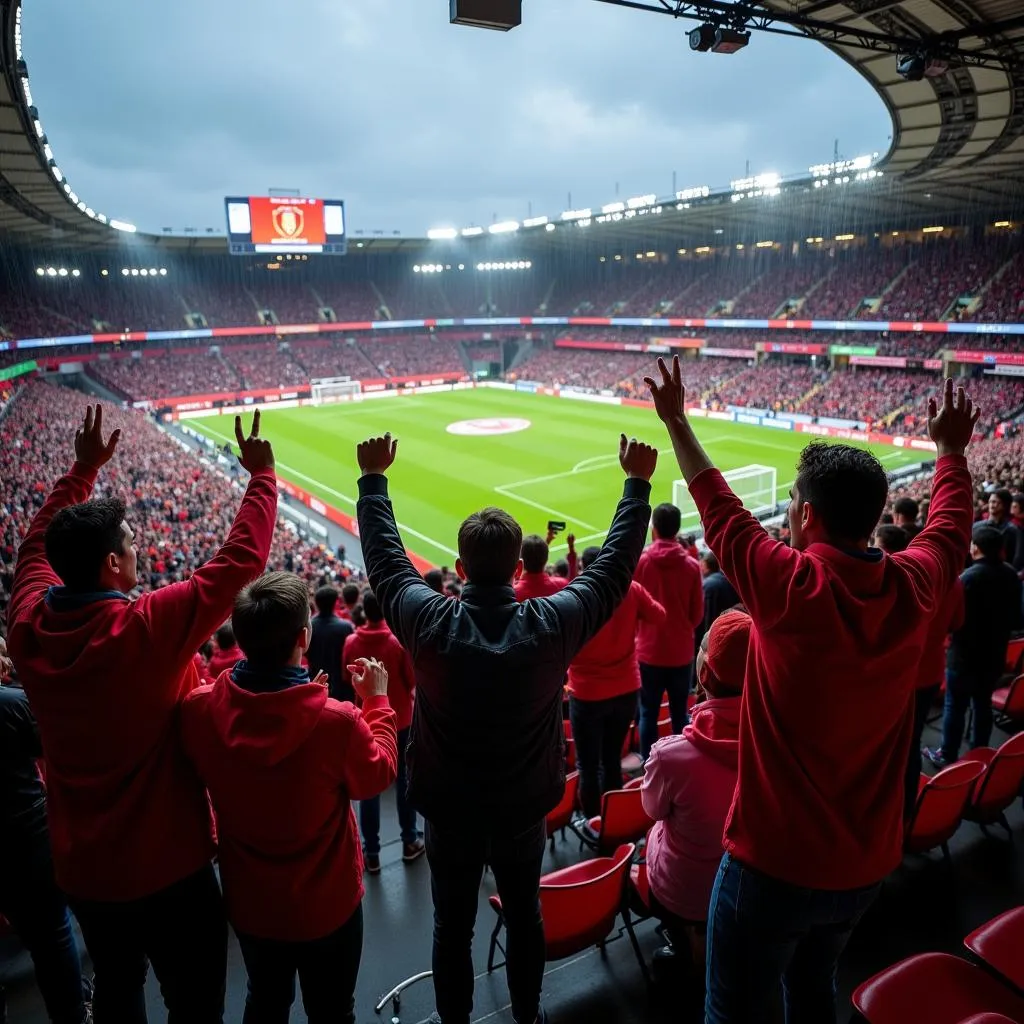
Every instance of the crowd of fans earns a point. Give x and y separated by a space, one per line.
166 373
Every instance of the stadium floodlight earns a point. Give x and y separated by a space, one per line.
56 172
638 201
472 232
698 192
125 271
76 272
613 208
51 272
442 234
584 214
40 271
144 272
135 272
920 64
729 40
534 222
702 38
501 15
504 227
163 271
104 272
549 227
123 225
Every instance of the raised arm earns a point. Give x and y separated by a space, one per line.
371 755
399 587
187 613
590 600
759 568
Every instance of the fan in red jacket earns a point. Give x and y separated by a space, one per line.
281 761
839 628
603 682
227 651
534 581
375 640
665 650
129 821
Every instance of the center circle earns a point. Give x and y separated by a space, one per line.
487 427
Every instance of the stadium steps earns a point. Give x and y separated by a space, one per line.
229 366
546 301
382 303
890 416
1006 268
809 394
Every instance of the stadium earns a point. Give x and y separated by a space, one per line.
829 304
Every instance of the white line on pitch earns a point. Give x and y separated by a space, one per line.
507 492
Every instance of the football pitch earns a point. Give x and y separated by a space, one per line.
547 458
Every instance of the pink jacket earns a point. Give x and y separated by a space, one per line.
688 790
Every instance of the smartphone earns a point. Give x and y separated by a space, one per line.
554 527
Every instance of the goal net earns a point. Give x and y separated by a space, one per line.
755 486
334 389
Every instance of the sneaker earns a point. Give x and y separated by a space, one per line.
413 851
936 756
371 862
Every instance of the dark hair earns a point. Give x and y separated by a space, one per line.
535 553
892 539
888 519
434 579
1019 499
269 615
988 540
561 568
690 540
907 507
489 545
711 561
589 555
206 649
79 539
666 520
371 607
326 599
1004 496
350 594
846 486
225 637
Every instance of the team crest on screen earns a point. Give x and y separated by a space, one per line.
487 427
288 221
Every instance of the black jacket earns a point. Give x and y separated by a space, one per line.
324 654
487 745
992 611
22 798
719 596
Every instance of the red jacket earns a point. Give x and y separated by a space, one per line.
949 617
221 661
375 640
834 656
281 768
127 814
607 666
202 669
538 584
673 579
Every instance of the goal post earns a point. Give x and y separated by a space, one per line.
755 486
334 389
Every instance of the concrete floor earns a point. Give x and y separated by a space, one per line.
925 906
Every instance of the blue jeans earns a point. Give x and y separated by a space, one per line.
369 810
762 931
655 682
963 691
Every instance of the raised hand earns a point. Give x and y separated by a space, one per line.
320 679
951 426
253 453
90 448
636 458
570 541
369 678
376 454
669 395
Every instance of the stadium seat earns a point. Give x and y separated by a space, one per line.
999 944
622 819
558 819
1015 656
940 807
1008 703
579 905
631 762
1000 784
937 988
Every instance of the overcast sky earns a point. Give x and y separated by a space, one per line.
157 111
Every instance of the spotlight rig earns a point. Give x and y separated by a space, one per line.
717 38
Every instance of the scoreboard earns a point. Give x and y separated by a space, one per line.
285 224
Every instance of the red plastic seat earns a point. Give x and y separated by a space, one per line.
1000 944
579 905
622 819
1008 702
559 818
1000 784
631 762
936 988
940 807
1015 656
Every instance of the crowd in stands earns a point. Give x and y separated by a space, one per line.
335 358
266 366
166 373
398 357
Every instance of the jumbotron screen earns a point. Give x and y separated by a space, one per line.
285 224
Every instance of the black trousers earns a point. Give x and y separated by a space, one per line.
181 930
327 970
599 729
457 856
923 701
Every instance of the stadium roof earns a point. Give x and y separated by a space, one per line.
957 153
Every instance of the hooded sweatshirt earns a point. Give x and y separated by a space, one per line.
688 787
607 666
375 640
105 677
223 661
834 658
673 579
282 762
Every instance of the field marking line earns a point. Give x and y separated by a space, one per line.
507 492
292 471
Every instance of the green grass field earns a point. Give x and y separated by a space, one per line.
564 466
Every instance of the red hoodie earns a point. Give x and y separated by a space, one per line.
538 584
607 666
375 640
673 579
689 781
834 655
222 661
281 769
128 816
